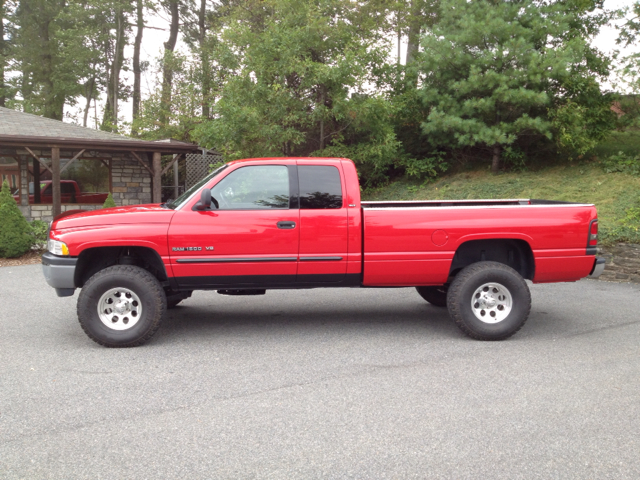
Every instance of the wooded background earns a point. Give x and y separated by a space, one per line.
489 82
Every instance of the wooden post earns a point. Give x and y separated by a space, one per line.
175 181
110 176
24 181
55 177
157 178
36 182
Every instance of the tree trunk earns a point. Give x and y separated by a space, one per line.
204 58
52 108
89 96
136 69
167 64
110 117
495 164
3 94
399 37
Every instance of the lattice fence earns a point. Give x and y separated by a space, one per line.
198 166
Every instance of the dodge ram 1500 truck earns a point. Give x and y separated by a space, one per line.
294 223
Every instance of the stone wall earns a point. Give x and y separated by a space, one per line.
131 182
623 263
45 212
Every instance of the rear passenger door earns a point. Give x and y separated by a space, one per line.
323 223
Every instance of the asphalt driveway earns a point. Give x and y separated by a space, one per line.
347 383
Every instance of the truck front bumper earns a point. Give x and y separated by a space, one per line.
598 267
59 273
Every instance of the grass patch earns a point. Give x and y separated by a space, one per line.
616 195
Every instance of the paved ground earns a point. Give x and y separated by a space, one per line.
345 383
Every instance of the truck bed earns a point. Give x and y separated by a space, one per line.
462 203
415 242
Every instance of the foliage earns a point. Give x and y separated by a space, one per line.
39 231
184 113
622 163
15 231
299 81
281 77
91 175
109 202
629 35
493 71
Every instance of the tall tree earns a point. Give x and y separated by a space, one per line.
629 36
135 108
301 82
168 66
39 53
494 70
204 58
3 52
114 54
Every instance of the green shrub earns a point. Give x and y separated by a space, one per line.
622 163
109 202
39 233
15 231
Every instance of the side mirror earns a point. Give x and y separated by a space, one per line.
205 200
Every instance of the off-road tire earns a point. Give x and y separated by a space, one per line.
436 296
136 279
462 291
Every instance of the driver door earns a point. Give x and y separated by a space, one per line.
250 240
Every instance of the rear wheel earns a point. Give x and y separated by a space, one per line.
489 301
436 296
121 306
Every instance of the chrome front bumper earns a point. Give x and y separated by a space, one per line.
598 267
59 273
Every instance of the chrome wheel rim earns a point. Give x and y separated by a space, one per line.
491 302
119 308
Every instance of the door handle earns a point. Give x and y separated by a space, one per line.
286 225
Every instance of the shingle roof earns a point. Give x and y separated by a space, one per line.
18 127
13 122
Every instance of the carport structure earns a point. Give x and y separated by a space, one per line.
39 146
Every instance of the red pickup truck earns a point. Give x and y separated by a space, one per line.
69 193
288 223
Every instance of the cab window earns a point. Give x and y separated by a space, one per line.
256 187
320 187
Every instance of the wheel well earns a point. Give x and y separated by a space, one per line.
517 254
92 260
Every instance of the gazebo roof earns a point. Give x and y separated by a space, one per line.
24 129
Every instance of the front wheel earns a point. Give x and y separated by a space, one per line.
121 306
489 301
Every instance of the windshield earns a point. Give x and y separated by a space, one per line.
173 204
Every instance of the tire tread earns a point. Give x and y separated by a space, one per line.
454 292
130 271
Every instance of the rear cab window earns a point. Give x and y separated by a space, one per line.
320 187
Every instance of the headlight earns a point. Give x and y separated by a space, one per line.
57 248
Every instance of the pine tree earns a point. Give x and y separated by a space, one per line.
109 202
495 71
15 238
